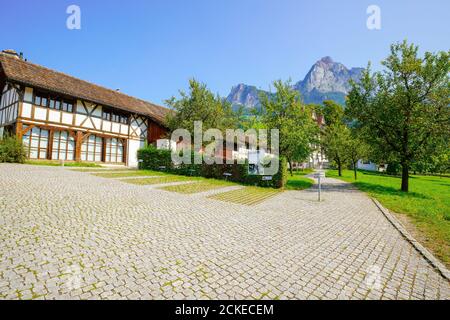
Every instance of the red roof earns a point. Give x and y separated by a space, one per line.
23 72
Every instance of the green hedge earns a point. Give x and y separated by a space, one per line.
151 158
11 150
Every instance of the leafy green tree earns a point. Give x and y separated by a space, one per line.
332 112
284 111
405 108
441 162
335 142
200 104
355 149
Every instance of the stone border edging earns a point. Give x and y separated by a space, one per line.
420 248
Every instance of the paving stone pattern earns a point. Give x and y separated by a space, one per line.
72 235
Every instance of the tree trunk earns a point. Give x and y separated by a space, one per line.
355 170
290 168
339 168
405 177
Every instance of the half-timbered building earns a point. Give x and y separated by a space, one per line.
59 117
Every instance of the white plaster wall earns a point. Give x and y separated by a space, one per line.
115 127
67 118
9 97
40 113
80 107
26 110
133 147
54 116
106 125
97 112
97 122
79 119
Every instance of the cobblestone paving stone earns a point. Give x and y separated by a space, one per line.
71 235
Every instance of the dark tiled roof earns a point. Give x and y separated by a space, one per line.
34 75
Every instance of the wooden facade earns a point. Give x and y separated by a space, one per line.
56 125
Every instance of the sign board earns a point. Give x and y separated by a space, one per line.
267 178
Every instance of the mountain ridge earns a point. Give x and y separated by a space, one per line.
326 80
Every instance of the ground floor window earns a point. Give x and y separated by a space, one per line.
91 149
60 145
36 143
63 147
114 150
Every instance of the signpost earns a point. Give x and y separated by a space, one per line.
319 175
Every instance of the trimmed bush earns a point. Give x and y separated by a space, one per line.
151 158
12 151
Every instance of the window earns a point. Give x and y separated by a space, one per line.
114 150
107 116
124 119
63 147
52 102
91 149
36 143
67 106
39 100
114 116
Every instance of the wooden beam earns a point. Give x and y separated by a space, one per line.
50 144
20 131
125 151
79 138
103 158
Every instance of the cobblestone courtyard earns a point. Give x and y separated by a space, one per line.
72 235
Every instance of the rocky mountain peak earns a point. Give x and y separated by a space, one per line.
326 80
326 60
245 95
328 76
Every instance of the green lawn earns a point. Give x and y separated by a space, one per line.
158 180
427 204
200 186
299 181
66 164
102 170
247 196
132 173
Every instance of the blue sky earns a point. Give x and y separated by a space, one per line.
150 48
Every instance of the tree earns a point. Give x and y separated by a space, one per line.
440 160
355 149
200 104
335 135
297 129
441 163
332 112
335 141
405 108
